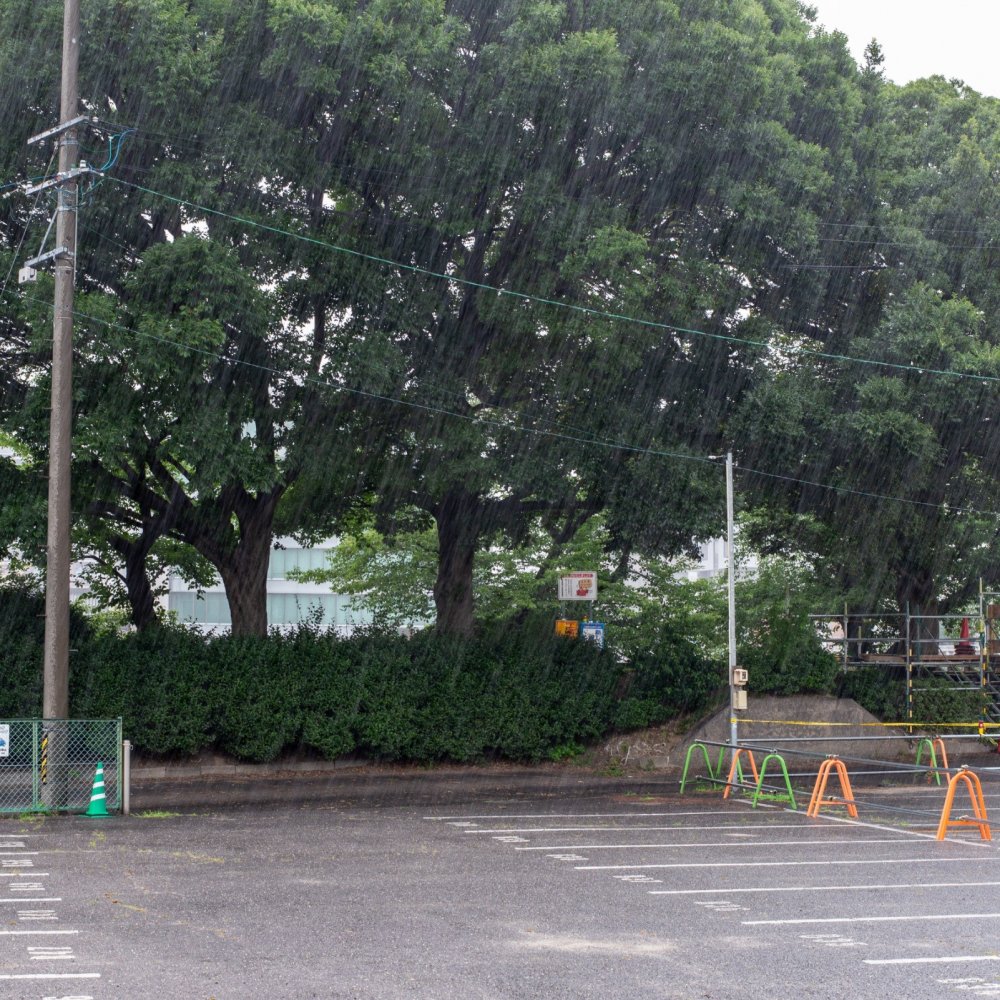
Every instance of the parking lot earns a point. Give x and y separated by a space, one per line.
441 885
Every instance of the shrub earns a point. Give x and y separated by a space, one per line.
936 700
877 689
256 690
155 680
672 678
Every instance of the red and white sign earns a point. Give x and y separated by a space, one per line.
578 587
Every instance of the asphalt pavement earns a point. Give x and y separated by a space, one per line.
505 884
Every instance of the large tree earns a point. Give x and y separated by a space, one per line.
649 162
458 257
892 456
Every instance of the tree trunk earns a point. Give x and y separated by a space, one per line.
915 591
139 589
244 567
245 581
457 517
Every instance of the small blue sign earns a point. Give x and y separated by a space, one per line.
593 632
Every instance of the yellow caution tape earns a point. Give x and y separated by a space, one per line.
892 725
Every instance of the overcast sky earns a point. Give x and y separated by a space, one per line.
955 38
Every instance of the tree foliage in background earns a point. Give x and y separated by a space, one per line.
355 261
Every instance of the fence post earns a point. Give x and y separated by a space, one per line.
126 778
35 789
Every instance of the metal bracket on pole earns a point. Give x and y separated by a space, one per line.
63 178
59 129
42 258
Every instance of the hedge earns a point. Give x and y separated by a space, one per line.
517 693
384 696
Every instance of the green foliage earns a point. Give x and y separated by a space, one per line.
778 643
389 578
938 700
22 625
567 751
882 691
257 696
877 690
673 677
157 681
516 694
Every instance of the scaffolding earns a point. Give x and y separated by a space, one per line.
930 652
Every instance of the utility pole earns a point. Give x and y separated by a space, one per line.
731 594
55 671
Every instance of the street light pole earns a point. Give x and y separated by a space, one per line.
731 580
55 670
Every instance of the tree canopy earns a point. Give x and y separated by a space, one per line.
492 270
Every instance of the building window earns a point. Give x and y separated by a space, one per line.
209 609
284 561
212 609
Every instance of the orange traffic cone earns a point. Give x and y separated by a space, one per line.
964 647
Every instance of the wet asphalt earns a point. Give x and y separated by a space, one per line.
379 884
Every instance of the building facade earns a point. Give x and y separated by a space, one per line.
289 601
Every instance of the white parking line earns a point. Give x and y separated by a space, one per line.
894 918
53 953
614 815
51 975
783 864
611 829
699 845
932 961
23 933
33 899
824 888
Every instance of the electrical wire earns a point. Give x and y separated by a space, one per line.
24 232
560 304
484 421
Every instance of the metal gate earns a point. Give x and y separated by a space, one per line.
48 765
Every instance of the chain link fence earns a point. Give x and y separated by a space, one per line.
48 765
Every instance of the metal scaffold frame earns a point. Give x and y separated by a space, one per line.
910 642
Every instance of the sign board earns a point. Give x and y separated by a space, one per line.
593 632
4 740
578 587
567 627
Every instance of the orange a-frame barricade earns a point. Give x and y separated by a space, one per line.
971 781
817 801
735 768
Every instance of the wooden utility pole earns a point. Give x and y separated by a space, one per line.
55 694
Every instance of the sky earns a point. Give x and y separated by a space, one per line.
953 38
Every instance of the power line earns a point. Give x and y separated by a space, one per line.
502 425
602 314
555 303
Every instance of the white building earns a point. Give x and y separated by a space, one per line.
288 601
712 562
